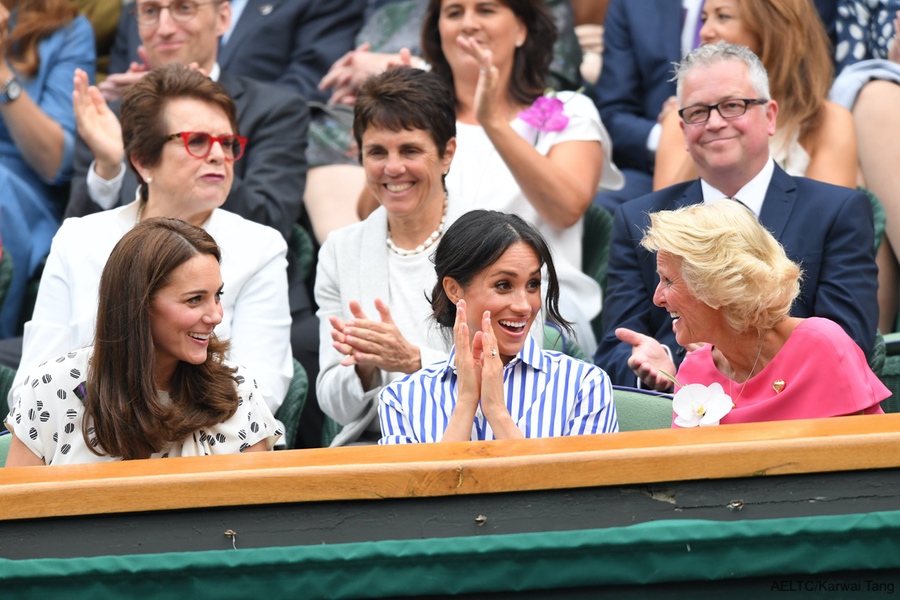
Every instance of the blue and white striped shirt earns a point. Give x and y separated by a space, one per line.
547 394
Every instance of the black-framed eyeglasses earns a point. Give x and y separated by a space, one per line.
727 109
199 144
148 13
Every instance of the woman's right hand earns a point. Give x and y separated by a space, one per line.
98 127
469 360
371 344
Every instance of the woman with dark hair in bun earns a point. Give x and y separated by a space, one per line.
497 383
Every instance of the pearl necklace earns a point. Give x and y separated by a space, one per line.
424 245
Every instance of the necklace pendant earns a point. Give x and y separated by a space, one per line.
778 385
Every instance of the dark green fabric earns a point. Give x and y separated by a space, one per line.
637 410
303 249
290 410
878 215
6 273
555 339
595 240
656 552
7 375
330 429
890 372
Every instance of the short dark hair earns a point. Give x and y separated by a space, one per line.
531 64
144 104
406 98
473 243
121 399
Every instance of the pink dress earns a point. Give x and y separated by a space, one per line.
821 373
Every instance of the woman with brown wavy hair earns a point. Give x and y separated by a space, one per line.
42 42
815 137
155 383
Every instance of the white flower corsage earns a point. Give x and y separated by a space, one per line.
699 405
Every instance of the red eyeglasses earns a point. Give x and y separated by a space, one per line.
199 144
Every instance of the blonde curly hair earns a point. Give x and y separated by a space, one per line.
728 261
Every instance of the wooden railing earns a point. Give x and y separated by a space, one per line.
366 472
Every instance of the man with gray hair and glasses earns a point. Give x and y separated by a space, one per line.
728 117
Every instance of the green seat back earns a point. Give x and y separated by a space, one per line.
595 241
5 440
289 411
638 409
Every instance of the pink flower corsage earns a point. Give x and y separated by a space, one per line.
546 114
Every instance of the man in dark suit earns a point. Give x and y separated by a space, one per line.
827 229
287 42
642 39
268 180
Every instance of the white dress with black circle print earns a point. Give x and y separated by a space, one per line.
48 414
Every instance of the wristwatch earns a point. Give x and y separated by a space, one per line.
12 89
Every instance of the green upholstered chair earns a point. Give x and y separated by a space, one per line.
5 440
330 429
642 409
289 411
595 241
556 339
302 247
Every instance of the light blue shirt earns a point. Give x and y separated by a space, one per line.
547 394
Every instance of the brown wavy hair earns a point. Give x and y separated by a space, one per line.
35 21
531 62
124 415
795 50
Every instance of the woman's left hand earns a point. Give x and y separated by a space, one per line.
486 90
493 398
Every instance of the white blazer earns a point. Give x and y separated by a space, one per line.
256 316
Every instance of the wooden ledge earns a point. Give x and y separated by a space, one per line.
366 472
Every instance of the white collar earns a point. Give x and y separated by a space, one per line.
751 195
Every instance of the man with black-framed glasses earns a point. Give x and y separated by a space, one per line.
728 117
287 42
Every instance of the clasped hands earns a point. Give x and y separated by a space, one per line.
479 372
348 73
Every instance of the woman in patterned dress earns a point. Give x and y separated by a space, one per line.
155 383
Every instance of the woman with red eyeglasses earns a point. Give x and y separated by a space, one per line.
180 135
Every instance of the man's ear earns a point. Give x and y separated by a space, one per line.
453 290
223 18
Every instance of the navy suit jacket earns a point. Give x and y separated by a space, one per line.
288 42
826 228
642 38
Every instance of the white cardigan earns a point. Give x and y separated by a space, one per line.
353 265
256 316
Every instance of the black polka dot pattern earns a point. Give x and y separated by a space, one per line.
48 417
